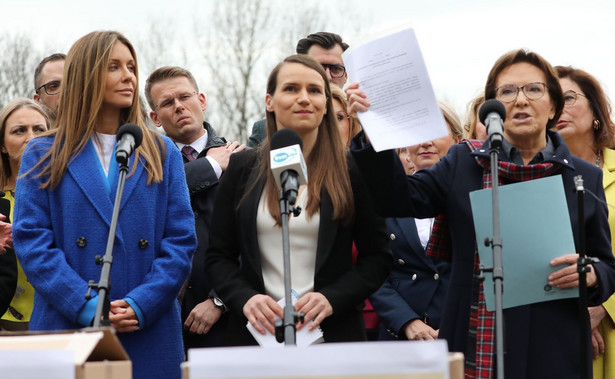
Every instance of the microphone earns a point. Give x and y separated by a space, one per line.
287 163
129 137
492 114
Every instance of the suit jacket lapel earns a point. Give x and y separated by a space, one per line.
408 228
88 175
248 220
326 230
608 177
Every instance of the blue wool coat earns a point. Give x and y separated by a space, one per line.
417 286
58 233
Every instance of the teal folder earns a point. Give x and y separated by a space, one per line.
535 228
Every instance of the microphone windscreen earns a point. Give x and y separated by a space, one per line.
285 137
133 129
490 106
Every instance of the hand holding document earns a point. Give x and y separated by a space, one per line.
304 337
404 110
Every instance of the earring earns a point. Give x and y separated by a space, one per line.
596 124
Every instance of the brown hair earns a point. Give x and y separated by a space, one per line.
164 73
326 40
81 97
21 102
598 102
39 69
326 164
526 56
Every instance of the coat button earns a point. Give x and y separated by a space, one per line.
392 237
81 242
143 244
436 276
413 276
401 261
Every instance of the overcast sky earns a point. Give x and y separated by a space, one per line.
460 39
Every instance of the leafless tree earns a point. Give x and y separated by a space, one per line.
233 49
297 25
17 63
159 47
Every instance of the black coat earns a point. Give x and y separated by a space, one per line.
541 340
8 266
202 186
234 263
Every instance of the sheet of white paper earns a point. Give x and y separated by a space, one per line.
404 110
31 364
349 360
304 337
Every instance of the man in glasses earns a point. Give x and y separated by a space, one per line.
327 48
178 106
47 79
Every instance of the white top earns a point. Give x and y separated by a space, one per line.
303 238
423 227
104 145
198 146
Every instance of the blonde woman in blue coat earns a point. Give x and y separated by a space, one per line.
64 202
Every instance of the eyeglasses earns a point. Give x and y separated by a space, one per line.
509 92
336 70
51 88
570 97
170 102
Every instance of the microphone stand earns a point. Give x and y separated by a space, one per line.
496 246
103 306
285 329
583 268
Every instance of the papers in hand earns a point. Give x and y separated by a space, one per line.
304 337
403 110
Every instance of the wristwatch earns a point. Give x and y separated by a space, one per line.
218 303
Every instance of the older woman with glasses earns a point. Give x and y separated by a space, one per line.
588 130
541 340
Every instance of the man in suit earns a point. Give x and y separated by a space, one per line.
327 48
178 106
47 79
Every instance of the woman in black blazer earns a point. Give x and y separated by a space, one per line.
243 260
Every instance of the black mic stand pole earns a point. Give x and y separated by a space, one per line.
497 270
285 330
583 268
103 306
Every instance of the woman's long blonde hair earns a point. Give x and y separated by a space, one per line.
80 107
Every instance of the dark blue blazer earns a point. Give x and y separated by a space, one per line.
417 286
541 340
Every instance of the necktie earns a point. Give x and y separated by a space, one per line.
189 152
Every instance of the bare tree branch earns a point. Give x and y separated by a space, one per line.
17 63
